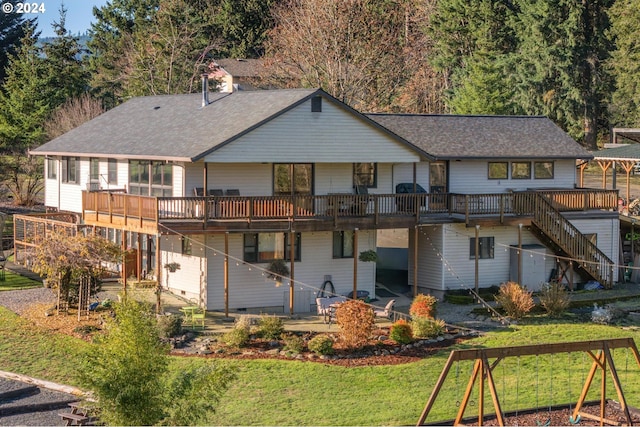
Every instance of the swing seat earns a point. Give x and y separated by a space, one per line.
576 421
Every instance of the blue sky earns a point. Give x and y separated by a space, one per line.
79 16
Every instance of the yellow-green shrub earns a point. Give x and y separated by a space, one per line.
423 306
401 332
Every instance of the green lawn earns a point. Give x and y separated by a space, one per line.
270 392
13 282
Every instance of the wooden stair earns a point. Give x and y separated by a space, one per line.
550 222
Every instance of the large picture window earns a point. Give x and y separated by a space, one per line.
70 166
266 247
150 178
498 170
343 244
291 179
486 248
543 170
521 170
365 174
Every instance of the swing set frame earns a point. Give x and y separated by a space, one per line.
598 350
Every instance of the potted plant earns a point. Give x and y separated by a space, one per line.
368 256
277 270
172 266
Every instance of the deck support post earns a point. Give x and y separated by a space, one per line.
477 260
226 274
520 254
158 274
292 252
355 264
415 260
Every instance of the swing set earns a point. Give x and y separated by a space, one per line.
483 374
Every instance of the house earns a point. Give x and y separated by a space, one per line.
220 188
237 73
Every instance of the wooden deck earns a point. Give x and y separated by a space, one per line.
325 212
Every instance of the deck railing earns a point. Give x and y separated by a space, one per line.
97 205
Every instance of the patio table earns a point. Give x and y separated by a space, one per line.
188 312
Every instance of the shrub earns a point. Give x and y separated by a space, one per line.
554 298
293 343
236 337
423 306
321 344
240 334
424 327
270 327
401 332
355 319
515 300
169 325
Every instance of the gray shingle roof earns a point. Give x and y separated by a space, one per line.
483 137
241 67
173 127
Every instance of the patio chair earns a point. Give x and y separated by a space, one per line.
387 311
198 191
232 192
197 319
216 192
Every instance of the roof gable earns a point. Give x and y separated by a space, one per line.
448 137
173 127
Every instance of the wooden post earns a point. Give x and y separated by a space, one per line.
292 251
520 254
477 260
226 274
355 264
415 261
124 262
139 255
158 275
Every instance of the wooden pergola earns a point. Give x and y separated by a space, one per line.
624 154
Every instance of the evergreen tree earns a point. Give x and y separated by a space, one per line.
11 32
170 53
625 63
23 108
557 69
244 25
110 37
66 76
482 88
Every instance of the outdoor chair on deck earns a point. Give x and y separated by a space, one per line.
216 192
387 311
198 191
232 192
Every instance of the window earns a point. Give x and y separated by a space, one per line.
365 174
343 244
292 178
94 170
150 178
112 174
265 247
52 169
186 245
498 170
486 248
521 170
70 169
543 170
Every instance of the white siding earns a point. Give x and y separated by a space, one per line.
459 268
300 136
471 176
430 267
608 236
250 289
189 281
71 194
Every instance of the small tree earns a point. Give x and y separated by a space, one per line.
65 258
355 320
127 370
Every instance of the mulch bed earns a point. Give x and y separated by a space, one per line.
557 416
